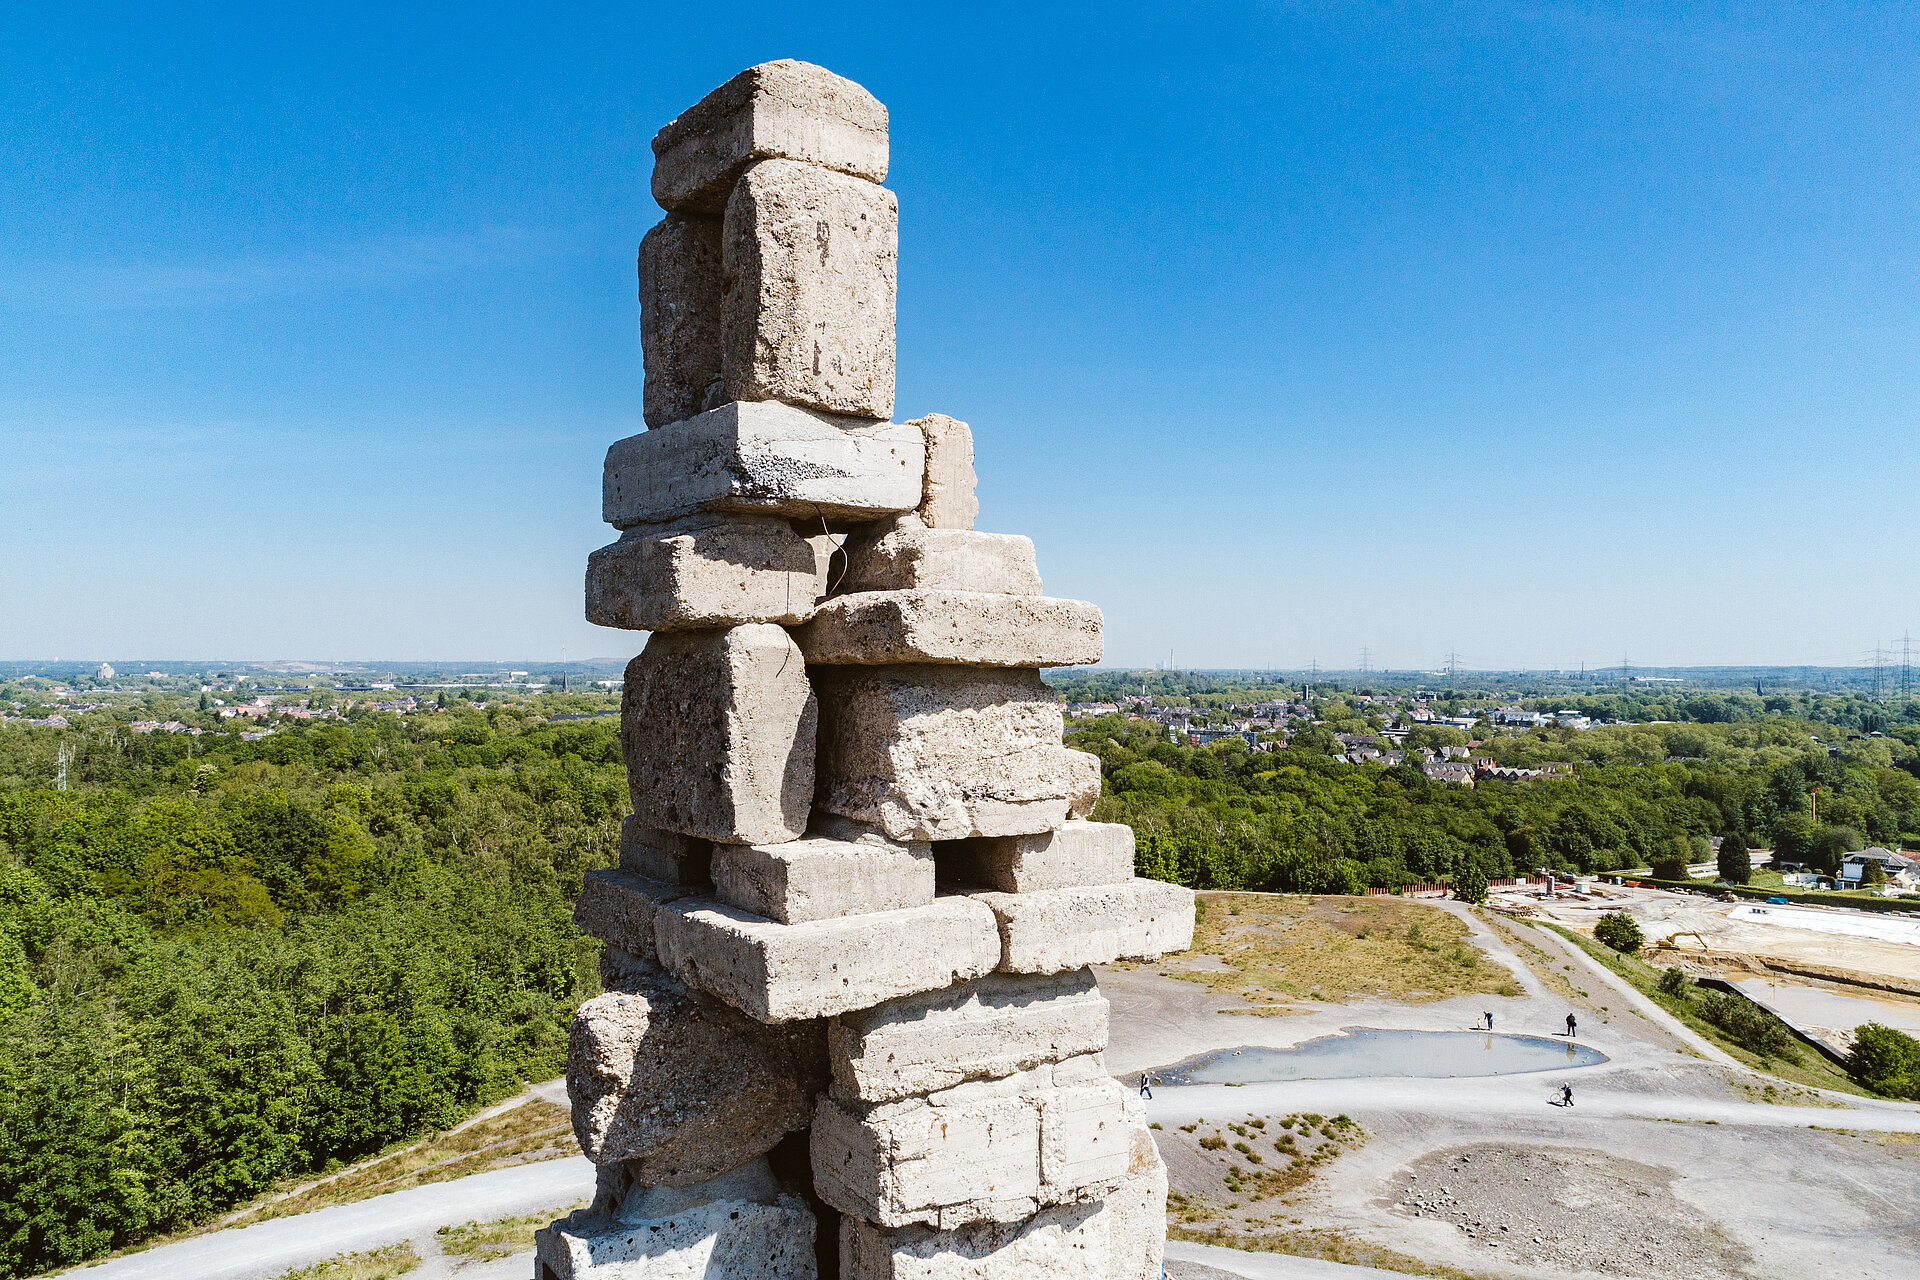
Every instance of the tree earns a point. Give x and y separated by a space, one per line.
1670 866
1470 884
1617 930
1831 845
1873 873
1885 1061
1734 865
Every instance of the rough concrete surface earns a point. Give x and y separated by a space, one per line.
787 109
680 316
666 856
763 458
1067 928
949 501
1083 782
816 878
903 557
720 1240
1071 1242
617 906
941 752
966 628
809 257
1073 855
718 731
703 572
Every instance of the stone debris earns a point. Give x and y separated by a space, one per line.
847 945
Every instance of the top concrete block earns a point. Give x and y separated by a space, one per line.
787 110
948 500
765 458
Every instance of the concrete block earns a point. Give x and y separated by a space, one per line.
703 572
681 1088
718 728
724 1239
763 458
1086 1138
1070 1242
940 752
994 1026
783 972
1083 773
1137 1216
908 556
815 878
809 257
666 856
786 109
947 494
1067 928
1076 853
680 317
617 907
963 628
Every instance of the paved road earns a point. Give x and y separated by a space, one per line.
1262 1266
267 1249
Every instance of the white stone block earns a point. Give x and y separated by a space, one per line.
1068 928
1086 1138
1069 1242
763 458
995 1026
963 628
1083 774
908 556
785 109
1137 1216
815 878
809 257
666 856
948 500
679 1088
1076 853
703 572
782 972
940 752
718 729
680 317
617 907
718 1240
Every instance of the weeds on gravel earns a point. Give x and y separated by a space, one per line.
1325 1244
374 1264
486 1241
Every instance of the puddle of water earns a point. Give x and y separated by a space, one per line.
1368 1051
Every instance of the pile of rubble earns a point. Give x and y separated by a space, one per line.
849 1023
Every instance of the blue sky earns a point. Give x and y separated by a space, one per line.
1540 334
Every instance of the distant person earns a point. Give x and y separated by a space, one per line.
1489 1017
1566 1095
1146 1087
1571 1026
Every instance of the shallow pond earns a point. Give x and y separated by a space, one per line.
1367 1051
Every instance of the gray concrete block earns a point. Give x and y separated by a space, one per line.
1083 788
666 856
947 498
718 729
702 572
763 458
815 878
1068 928
617 907
809 257
995 1026
679 1088
783 972
785 109
1137 1216
722 1239
1086 1138
940 752
1076 853
908 556
680 317
1069 1242
961 628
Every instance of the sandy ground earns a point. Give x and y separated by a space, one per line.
1664 1168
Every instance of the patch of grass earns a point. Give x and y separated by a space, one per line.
1325 1243
486 1241
1796 1064
1279 949
1530 955
374 1264
536 1130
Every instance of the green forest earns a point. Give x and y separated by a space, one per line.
224 963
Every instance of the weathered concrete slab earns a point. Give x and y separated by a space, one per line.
948 499
718 729
810 258
703 572
1071 1242
1074 854
1083 782
783 972
763 458
1137 1216
994 1026
617 907
680 317
680 1088
1086 1137
909 556
1068 928
718 1240
940 752
785 109
963 628
815 878
666 856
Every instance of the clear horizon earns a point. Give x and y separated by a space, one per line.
1539 338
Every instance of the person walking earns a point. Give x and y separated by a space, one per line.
1571 1026
1566 1095
1488 1015
1146 1086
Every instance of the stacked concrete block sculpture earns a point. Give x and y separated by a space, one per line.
850 1025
